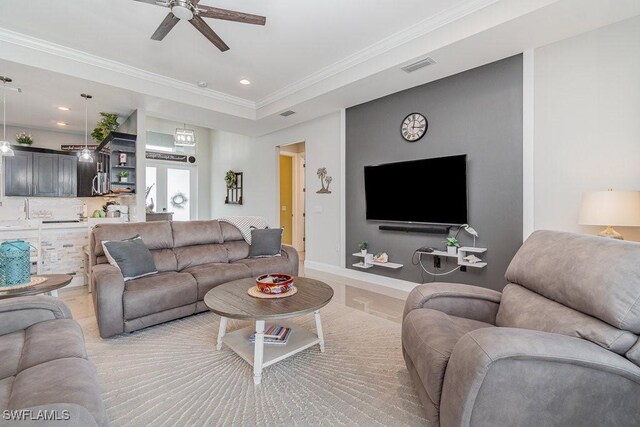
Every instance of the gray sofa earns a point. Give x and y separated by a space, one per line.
192 257
558 347
43 364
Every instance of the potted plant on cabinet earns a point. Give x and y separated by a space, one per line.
363 246
24 138
452 245
108 123
124 176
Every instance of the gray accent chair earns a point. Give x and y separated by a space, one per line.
44 365
558 347
192 257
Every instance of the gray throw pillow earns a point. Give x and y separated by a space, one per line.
130 256
265 242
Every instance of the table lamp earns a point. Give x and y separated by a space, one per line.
610 208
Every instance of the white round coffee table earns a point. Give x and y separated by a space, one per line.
231 301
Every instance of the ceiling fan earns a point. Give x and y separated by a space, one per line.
191 11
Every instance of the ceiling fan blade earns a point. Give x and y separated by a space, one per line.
208 33
230 15
156 2
167 24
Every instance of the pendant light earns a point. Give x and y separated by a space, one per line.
185 137
5 147
85 155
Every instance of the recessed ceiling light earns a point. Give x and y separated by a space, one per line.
202 83
245 82
61 123
64 108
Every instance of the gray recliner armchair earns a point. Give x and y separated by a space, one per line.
558 347
45 374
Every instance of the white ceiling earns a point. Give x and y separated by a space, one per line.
312 57
300 37
43 92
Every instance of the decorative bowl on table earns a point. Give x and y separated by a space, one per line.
275 283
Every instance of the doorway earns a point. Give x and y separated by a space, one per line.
172 188
291 197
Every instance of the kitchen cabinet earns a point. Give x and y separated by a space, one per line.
86 172
45 175
18 174
40 173
120 157
68 176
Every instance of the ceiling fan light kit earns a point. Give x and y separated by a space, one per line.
182 10
189 10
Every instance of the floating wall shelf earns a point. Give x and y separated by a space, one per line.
374 263
462 252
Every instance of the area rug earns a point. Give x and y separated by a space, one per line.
171 374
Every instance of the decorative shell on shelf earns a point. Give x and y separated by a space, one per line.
381 257
472 259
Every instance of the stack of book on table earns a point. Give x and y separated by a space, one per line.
274 335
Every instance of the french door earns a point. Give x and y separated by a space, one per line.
172 189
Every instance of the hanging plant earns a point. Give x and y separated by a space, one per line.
179 200
107 124
24 138
230 178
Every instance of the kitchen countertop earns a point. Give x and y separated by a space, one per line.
62 225
34 224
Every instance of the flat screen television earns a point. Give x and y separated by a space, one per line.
428 191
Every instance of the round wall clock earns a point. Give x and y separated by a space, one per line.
414 126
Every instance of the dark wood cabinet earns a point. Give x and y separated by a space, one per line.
86 173
18 174
117 154
45 175
68 176
40 173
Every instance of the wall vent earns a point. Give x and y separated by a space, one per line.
417 65
288 113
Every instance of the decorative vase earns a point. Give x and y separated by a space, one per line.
452 250
124 179
363 252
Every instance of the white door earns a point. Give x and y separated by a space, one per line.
173 187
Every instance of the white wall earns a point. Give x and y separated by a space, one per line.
230 151
46 138
130 124
258 158
587 122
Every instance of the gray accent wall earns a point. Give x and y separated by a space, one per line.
477 113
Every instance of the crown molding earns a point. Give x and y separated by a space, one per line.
413 32
40 45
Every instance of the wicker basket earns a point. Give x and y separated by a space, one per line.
15 265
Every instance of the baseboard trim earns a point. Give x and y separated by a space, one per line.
397 284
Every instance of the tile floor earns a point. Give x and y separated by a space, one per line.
373 299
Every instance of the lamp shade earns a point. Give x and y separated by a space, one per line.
615 208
